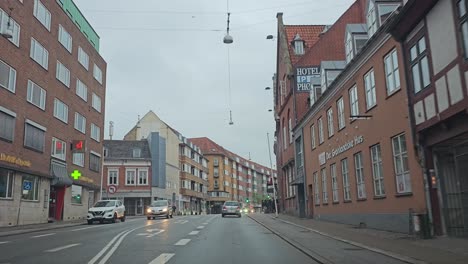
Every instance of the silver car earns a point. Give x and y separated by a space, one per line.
159 208
231 208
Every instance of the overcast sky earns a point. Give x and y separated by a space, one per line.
170 56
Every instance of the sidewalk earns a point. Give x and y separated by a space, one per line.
400 246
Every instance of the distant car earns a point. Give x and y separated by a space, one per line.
231 208
103 210
159 208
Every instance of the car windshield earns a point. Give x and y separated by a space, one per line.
159 203
105 204
231 204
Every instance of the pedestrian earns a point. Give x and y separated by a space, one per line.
174 208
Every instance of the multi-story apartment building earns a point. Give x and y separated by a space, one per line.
434 35
193 178
297 83
128 174
232 177
52 91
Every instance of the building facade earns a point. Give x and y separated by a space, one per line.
127 174
50 70
434 37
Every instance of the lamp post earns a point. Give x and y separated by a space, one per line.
271 175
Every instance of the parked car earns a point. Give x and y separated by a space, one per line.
103 210
159 208
231 208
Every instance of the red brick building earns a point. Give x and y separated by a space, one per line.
52 91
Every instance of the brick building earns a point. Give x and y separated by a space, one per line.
52 91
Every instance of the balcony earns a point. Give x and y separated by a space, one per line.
192 193
188 176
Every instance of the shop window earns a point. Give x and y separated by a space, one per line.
30 187
6 183
77 192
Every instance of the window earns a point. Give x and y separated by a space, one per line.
419 65
392 74
369 83
312 135
80 123
345 174
361 187
94 162
290 132
36 95
6 183
63 74
316 189
299 160
341 115
34 136
59 149
299 47
97 73
349 47
61 110
4 19
216 172
65 38
385 10
83 58
284 137
330 122
334 182
78 159
377 170
137 153
95 132
320 128
77 192
113 177
30 193
81 90
142 177
371 19
39 54
324 185
353 101
463 20
7 77
42 14
7 124
400 159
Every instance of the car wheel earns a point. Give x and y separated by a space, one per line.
154 217
90 222
222 215
113 218
167 216
149 218
240 215
122 219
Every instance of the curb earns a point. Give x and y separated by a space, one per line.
376 250
27 231
294 244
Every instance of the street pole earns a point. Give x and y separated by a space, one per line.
271 175
102 174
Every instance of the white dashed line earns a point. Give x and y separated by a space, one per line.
83 228
62 248
200 227
162 259
4 242
182 242
194 233
205 223
43 235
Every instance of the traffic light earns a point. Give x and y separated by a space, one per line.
246 200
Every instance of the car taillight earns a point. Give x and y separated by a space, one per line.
238 208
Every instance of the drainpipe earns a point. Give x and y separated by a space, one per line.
420 151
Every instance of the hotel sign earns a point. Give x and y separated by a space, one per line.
324 156
307 77
14 160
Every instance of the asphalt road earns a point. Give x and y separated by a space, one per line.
184 239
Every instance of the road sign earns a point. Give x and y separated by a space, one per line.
27 185
112 189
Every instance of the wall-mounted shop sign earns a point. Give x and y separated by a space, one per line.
307 77
14 160
324 156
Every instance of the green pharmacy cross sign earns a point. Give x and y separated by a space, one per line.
76 174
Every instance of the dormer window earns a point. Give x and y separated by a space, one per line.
349 47
298 45
381 10
355 40
136 153
371 19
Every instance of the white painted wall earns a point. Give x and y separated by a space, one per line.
75 211
442 39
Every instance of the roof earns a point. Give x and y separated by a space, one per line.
356 28
333 65
123 149
310 34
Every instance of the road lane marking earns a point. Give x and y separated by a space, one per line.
205 223
151 230
83 228
116 245
61 248
93 260
50 234
4 242
182 242
162 259
194 233
157 233
200 227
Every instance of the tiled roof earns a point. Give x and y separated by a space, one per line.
123 149
309 33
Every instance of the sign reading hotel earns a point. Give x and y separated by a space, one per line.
324 156
14 160
307 77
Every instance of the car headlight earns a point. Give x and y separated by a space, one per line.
108 211
148 210
164 209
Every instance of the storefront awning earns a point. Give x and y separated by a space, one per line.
59 171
